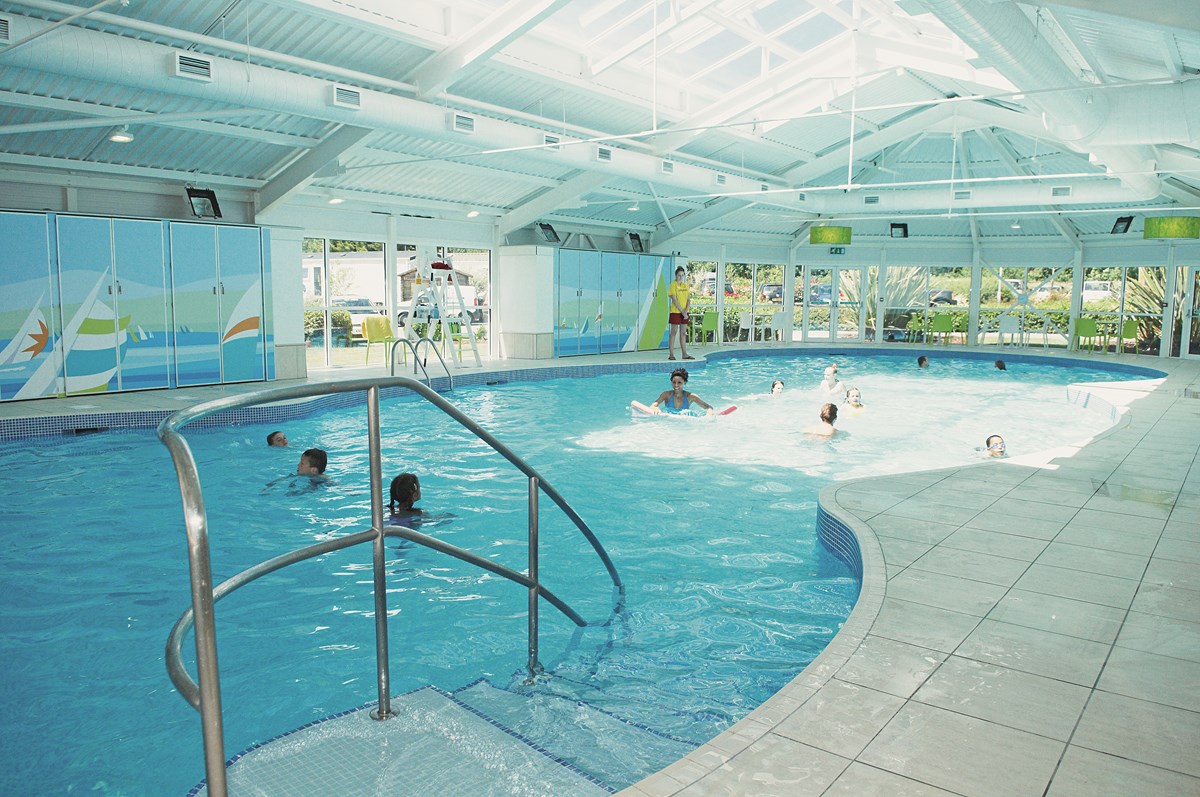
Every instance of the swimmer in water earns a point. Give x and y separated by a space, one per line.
677 400
277 440
922 361
995 446
854 400
776 387
831 384
1000 366
825 428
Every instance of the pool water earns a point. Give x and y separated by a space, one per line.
709 521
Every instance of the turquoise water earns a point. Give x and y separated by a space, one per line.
709 522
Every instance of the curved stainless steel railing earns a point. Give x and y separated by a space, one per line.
417 362
205 696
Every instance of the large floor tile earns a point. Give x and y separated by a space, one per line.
1172 573
1119 540
841 719
1093 621
1162 736
924 626
900 552
969 564
1091 587
1010 546
886 665
1157 503
1179 550
1167 601
1049 495
923 530
773 766
946 591
1014 508
1087 773
1113 521
1019 700
1149 676
1165 636
1093 560
995 520
934 746
919 508
1066 658
860 780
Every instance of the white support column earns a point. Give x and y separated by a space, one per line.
1168 313
975 296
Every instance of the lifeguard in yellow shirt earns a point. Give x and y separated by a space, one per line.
679 295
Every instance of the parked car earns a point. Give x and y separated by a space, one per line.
772 292
709 287
1096 291
359 307
937 297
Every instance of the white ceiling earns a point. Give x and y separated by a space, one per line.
721 119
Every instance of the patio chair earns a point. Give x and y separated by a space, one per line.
1085 328
377 329
745 324
708 326
1129 331
779 327
1009 325
942 323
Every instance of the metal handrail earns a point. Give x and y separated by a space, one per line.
205 695
417 358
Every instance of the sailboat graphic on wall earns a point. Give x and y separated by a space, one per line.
96 340
31 339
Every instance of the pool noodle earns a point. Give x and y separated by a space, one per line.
640 407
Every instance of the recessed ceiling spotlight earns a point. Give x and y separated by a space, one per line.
1016 225
335 200
472 214
634 208
121 135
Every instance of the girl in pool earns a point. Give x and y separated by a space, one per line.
677 400
831 384
776 387
854 401
404 492
995 446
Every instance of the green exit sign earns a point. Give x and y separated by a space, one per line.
837 250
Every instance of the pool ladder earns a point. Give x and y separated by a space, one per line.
205 696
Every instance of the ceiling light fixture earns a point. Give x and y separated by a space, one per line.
634 208
1016 225
335 200
121 135
472 214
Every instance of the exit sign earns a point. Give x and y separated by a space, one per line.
837 250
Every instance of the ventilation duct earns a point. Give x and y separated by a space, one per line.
552 143
461 123
193 67
4 29
668 167
604 154
345 97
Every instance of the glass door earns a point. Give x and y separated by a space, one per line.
837 303
1191 313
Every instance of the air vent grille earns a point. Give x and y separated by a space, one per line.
461 123
553 143
4 29
764 187
801 197
668 167
871 200
193 67
345 97
604 154
962 195
1060 190
720 179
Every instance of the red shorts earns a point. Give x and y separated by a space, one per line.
678 318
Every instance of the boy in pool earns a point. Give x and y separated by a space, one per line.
922 361
1000 366
277 440
831 384
825 428
312 463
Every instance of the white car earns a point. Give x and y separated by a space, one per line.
359 307
1096 291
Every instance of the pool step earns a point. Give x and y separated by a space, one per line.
614 750
434 744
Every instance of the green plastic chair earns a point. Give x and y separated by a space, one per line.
1085 328
1129 331
708 325
942 323
377 329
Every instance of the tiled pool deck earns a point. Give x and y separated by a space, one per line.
1028 627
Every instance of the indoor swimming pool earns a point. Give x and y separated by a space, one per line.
709 521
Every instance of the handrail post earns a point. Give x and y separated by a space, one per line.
535 667
379 550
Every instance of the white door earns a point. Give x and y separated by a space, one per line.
1190 345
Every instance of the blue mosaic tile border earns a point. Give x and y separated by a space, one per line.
837 537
